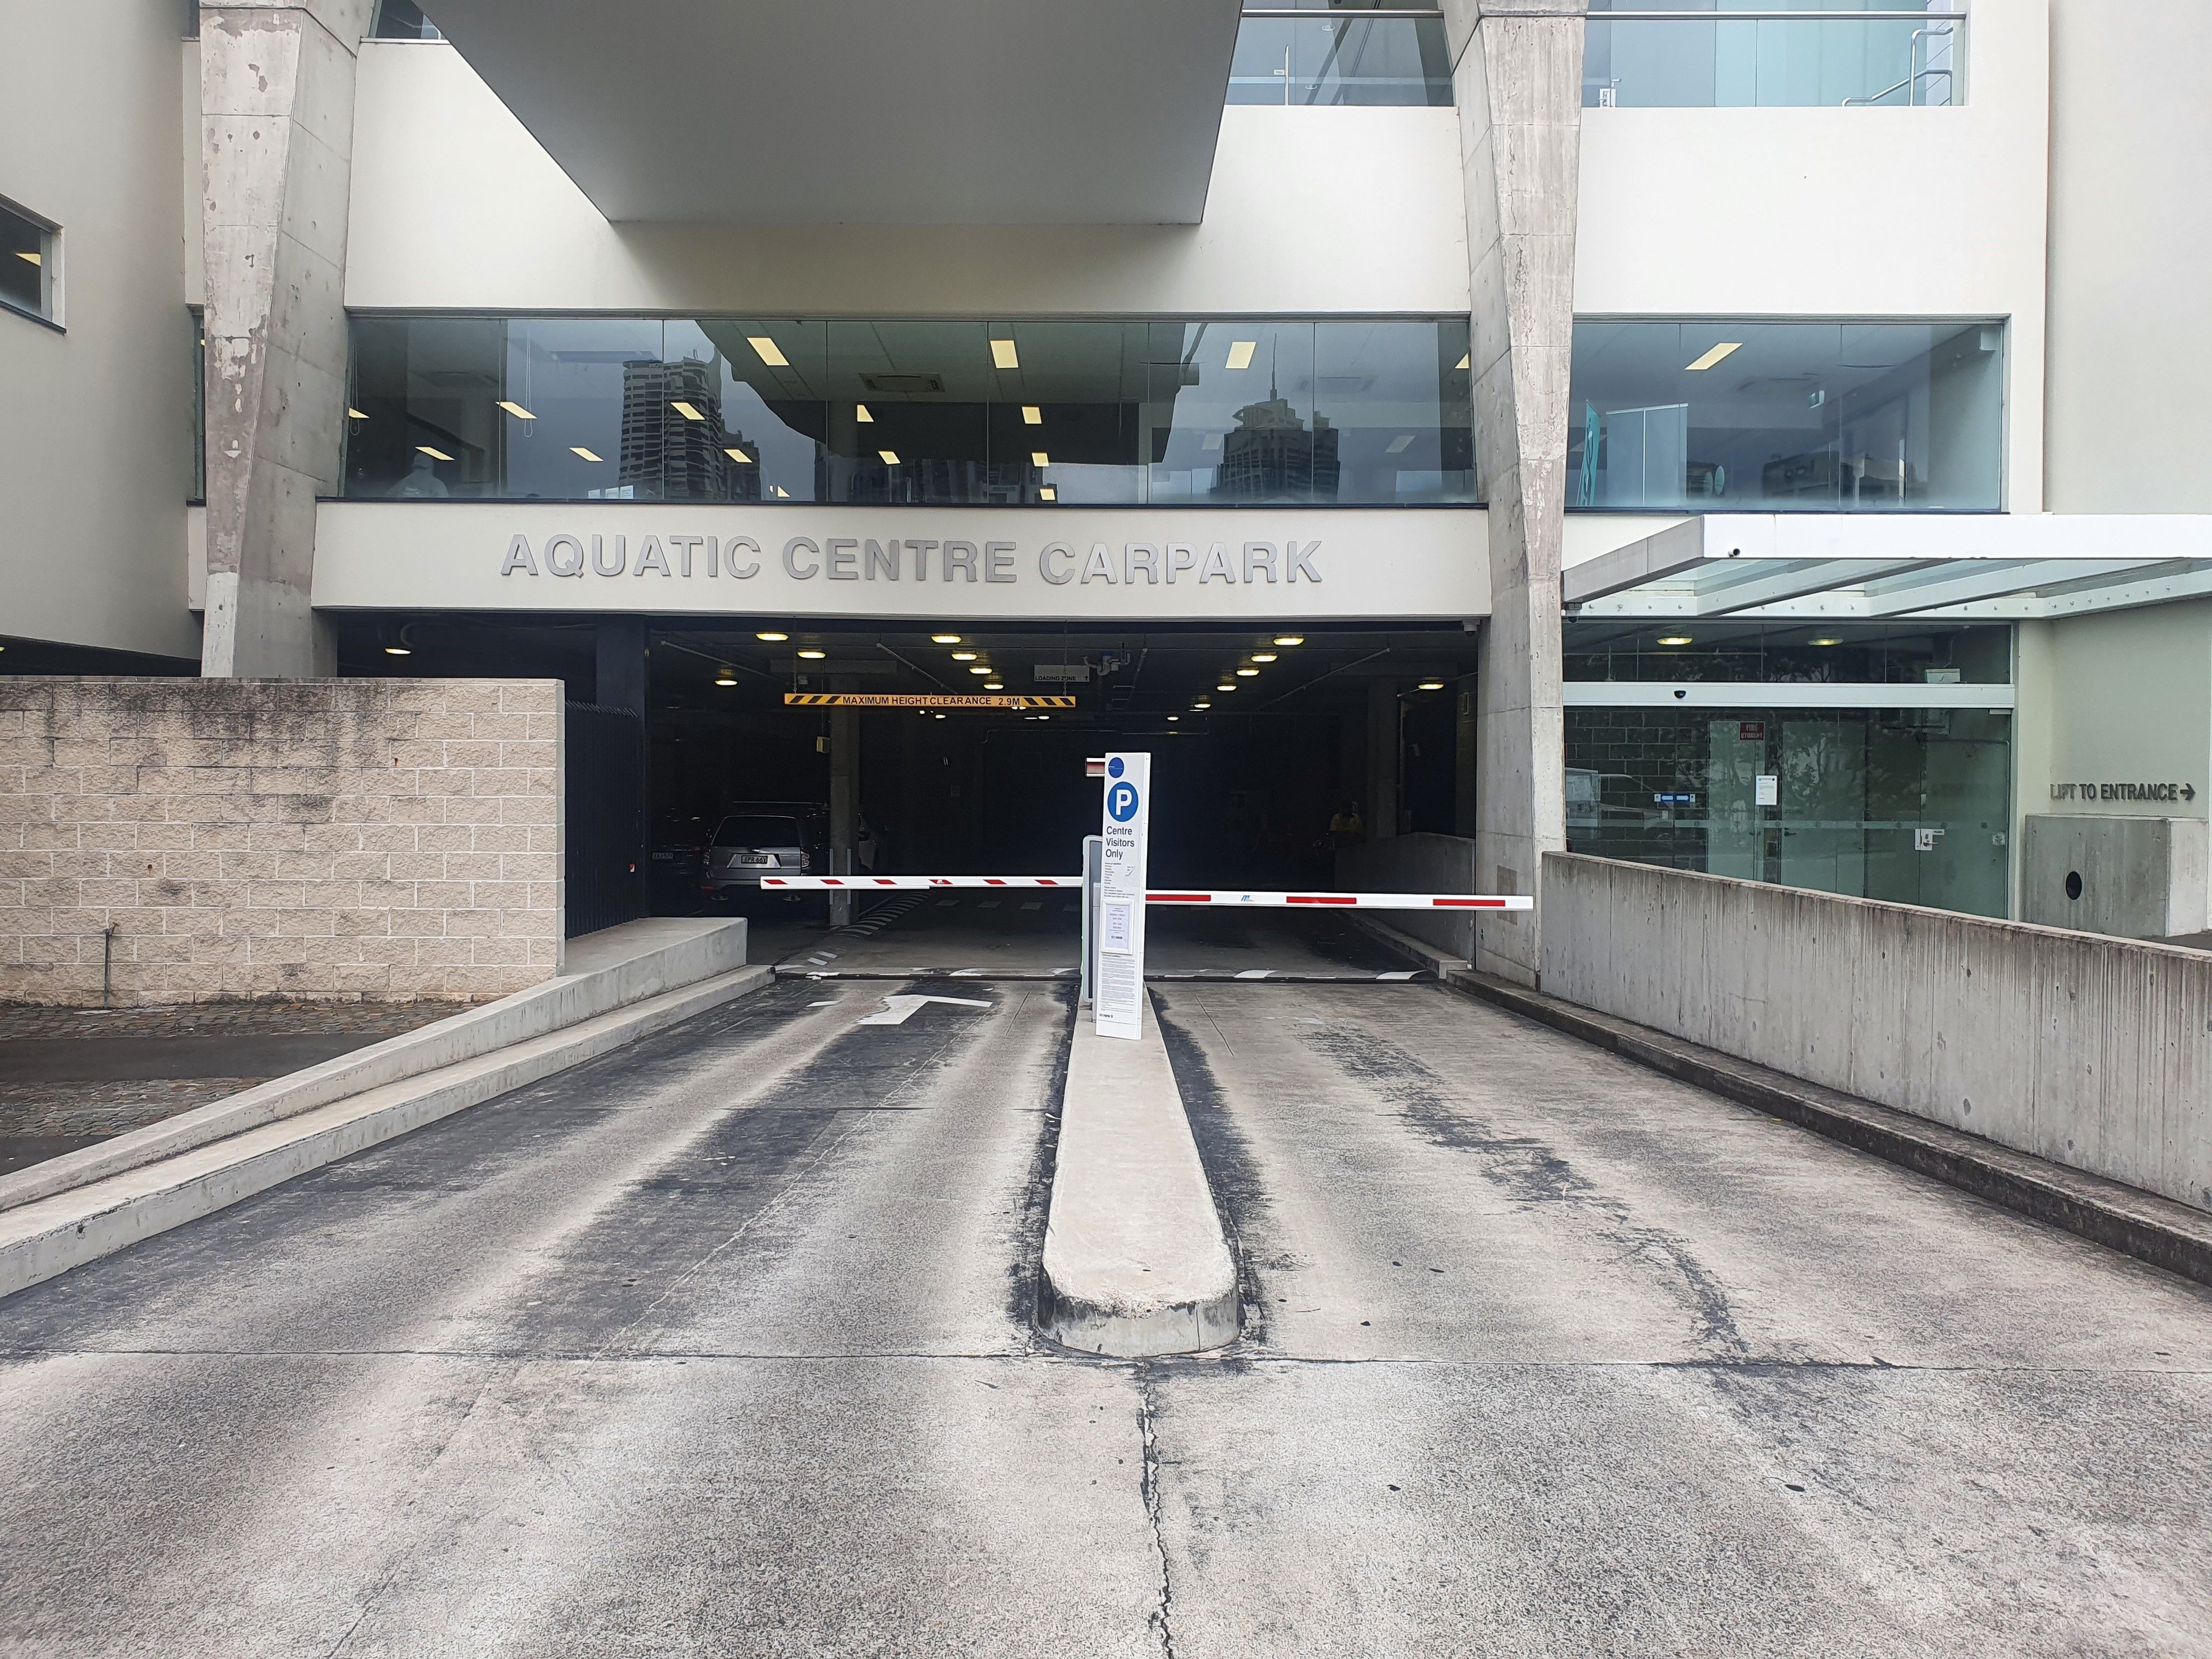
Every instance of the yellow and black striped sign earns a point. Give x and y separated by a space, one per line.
918 700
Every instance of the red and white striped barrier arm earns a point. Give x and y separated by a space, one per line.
1346 901
1168 895
889 884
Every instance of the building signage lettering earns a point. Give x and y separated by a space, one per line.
2174 792
869 558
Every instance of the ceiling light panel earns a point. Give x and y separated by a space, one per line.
1003 355
765 348
1712 356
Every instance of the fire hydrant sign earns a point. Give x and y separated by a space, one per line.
1117 996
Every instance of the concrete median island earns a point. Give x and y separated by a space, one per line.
1135 1261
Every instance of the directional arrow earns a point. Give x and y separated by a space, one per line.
2188 792
900 1009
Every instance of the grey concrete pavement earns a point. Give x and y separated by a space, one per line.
720 1345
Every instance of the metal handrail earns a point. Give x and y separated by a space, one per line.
1764 16
1912 77
1284 15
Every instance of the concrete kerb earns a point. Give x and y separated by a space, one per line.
603 971
1135 1262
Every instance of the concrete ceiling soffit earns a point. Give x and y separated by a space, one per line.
865 111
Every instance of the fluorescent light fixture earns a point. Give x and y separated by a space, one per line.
1248 673
516 410
945 639
978 668
1263 656
435 454
765 348
1433 685
1399 445
35 259
724 676
995 685
352 414
397 651
578 449
1038 458
772 638
1240 353
738 456
1002 353
1712 356
1046 493
860 412
1676 639
814 656
688 411
1032 414
1466 361
891 457
1226 685
1825 640
1289 639
963 656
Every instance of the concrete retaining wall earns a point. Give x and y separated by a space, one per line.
1417 864
313 838
2093 1052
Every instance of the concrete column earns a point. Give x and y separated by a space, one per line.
276 152
1518 79
1384 750
1467 758
844 806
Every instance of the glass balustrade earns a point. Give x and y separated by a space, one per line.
1839 53
1294 55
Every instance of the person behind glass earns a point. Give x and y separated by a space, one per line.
1347 828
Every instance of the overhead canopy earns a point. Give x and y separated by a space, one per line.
882 112
1874 567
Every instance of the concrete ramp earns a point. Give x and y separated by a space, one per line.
1135 1262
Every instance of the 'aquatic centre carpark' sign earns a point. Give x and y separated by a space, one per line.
1041 563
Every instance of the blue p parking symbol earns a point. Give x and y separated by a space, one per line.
1122 801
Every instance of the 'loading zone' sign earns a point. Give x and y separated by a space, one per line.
1117 993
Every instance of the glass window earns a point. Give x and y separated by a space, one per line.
403 20
1817 416
26 263
1354 411
1789 654
1347 55
1702 58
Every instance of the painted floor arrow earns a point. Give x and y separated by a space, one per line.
898 1010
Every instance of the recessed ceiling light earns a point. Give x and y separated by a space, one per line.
1240 353
891 457
578 449
1038 458
780 492
978 668
1226 685
1033 415
688 411
945 639
397 651
1289 639
963 656
1002 353
772 638
1712 356
1201 703
516 410
1046 493
995 685
1399 445
767 350
738 456
940 717
354 414
1174 717
724 676
1247 673
1263 656
1044 717
860 412
1676 639
35 259
1466 361
1433 685
435 454
814 656
1825 640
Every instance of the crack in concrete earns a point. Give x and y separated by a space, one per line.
1161 1620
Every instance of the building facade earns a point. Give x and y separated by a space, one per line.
1743 440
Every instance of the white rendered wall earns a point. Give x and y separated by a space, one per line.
1875 213
2129 425
456 206
95 423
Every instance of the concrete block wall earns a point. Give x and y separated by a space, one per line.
2095 1053
1420 863
302 838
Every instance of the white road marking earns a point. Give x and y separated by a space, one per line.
1253 973
830 1003
988 904
898 1009
1408 974
1033 904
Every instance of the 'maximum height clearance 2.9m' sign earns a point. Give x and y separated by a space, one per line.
1080 564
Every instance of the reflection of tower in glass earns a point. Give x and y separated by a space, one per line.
1271 456
666 454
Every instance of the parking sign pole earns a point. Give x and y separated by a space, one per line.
1118 997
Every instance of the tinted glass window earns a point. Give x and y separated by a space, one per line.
26 252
